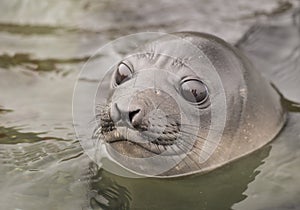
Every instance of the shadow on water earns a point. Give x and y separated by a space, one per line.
219 189
291 106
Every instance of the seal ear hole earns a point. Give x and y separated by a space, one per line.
194 91
123 73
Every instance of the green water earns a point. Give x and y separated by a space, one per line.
44 45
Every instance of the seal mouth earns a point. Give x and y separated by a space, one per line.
129 143
142 143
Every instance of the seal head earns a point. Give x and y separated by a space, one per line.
186 103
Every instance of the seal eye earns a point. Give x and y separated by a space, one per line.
123 73
193 90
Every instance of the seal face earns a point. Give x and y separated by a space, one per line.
186 103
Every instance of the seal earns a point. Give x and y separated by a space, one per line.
186 103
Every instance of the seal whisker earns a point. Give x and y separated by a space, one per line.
189 157
202 127
196 147
203 139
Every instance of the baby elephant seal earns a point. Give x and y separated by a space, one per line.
186 103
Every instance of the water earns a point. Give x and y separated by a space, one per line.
44 45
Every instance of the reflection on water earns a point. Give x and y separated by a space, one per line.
10 135
208 191
19 59
106 192
44 44
28 29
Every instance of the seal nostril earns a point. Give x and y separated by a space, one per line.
133 117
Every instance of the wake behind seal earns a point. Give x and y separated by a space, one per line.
186 103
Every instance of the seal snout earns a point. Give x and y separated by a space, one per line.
140 124
130 117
